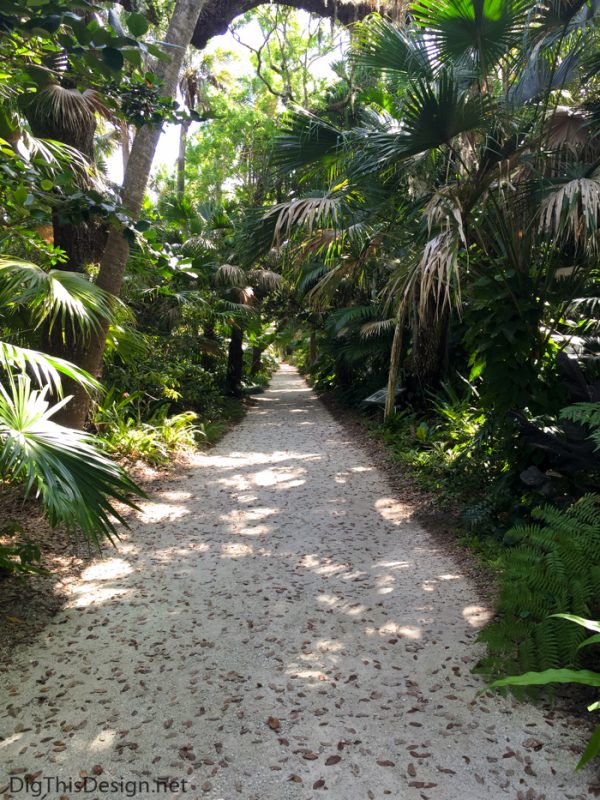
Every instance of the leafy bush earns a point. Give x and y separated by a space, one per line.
550 565
168 372
447 447
583 677
124 432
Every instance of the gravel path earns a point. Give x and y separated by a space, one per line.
275 627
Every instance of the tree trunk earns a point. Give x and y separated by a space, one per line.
82 242
125 145
428 361
181 159
235 362
116 251
390 398
257 352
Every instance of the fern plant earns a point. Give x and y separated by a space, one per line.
552 564
586 414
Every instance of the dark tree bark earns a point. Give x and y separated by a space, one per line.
217 15
427 364
81 241
257 352
235 362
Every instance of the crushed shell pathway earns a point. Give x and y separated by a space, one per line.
275 626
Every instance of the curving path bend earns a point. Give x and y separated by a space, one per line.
274 627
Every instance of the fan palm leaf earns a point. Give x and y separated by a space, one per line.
265 278
46 369
306 213
381 46
433 114
57 296
57 107
472 32
573 210
75 481
231 275
306 139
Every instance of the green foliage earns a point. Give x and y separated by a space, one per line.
76 482
583 677
551 564
129 433
445 446
586 414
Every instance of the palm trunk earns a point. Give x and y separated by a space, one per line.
81 241
235 362
116 251
257 352
390 398
181 159
429 357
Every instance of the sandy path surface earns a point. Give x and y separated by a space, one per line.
274 627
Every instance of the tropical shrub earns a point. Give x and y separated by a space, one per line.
127 431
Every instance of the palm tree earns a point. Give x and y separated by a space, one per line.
233 293
464 122
192 85
66 469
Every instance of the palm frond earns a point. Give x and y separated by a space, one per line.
265 278
59 107
55 153
378 328
306 139
307 213
310 275
338 321
477 32
433 114
381 46
54 296
46 369
76 482
231 275
573 210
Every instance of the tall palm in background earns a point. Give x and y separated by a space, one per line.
237 291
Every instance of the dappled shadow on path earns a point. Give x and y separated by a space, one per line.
274 613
